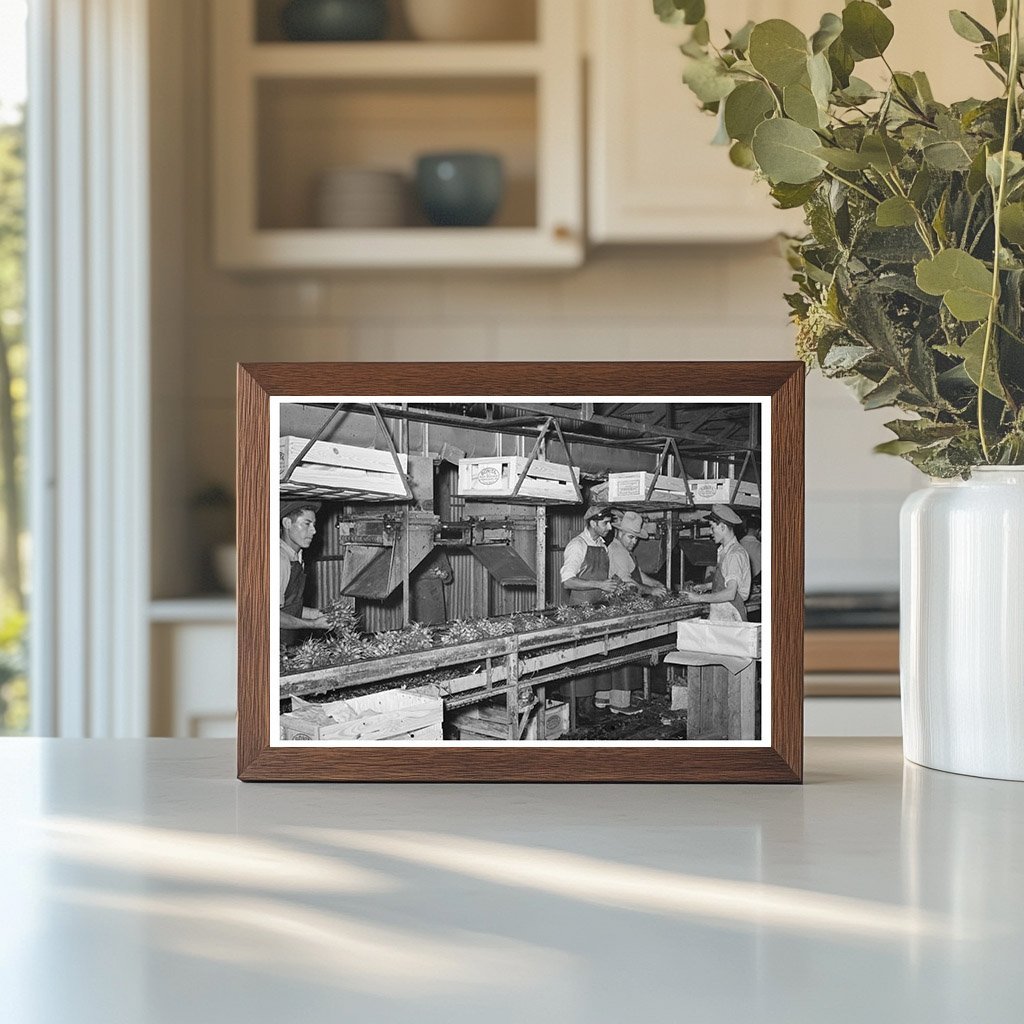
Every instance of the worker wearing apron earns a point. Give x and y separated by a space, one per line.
731 584
298 527
584 576
629 528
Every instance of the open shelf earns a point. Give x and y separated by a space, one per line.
307 127
393 60
517 22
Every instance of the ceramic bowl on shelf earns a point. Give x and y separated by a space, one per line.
460 189
361 198
471 20
334 20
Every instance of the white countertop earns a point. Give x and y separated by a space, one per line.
143 884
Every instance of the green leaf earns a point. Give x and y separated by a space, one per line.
742 155
707 80
778 50
976 174
963 281
820 76
841 60
946 156
921 185
999 7
896 212
829 30
885 394
866 29
844 159
971 352
924 88
968 28
800 105
676 12
739 41
883 153
701 33
789 197
745 108
895 447
1011 225
1014 169
785 152
923 431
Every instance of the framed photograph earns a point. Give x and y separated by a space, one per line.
520 572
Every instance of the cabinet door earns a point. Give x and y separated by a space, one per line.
653 174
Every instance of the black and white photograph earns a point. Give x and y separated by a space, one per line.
529 570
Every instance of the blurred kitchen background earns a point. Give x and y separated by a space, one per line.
246 192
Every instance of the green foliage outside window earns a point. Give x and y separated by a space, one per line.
13 414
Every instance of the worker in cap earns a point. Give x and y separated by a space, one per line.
731 584
629 530
585 579
298 527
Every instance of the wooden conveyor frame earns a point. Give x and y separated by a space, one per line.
518 666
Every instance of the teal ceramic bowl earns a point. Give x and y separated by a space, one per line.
461 190
331 21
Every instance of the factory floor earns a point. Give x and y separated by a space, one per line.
656 721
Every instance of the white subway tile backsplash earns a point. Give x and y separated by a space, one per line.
412 296
511 297
646 285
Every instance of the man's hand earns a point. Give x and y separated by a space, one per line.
608 586
319 622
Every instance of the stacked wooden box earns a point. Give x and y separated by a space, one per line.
341 471
721 492
496 476
390 715
634 487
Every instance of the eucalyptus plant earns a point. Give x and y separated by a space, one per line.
910 278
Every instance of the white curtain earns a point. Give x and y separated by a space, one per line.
88 319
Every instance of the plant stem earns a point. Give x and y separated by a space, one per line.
855 187
923 229
993 308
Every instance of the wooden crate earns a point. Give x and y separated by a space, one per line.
342 471
389 715
720 492
634 487
496 476
720 704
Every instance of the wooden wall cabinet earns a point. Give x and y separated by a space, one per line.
286 112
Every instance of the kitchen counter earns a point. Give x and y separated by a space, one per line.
142 883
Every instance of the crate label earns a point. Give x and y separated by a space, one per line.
488 476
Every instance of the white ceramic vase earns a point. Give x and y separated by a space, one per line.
962 624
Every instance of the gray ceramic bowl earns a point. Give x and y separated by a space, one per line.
460 189
334 20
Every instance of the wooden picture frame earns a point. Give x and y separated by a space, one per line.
777 386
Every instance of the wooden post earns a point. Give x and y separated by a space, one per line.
668 550
540 558
542 721
512 694
647 682
406 556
